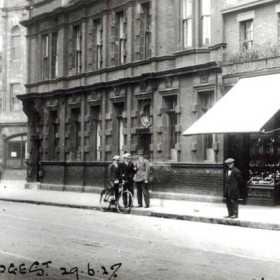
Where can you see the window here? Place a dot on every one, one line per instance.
(246, 35)
(98, 43)
(147, 29)
(54, 53)
(45, 56)
(206, 21)
(95, 132)
(171, 103)
(206, 101)
(53, 135)
(120, 125)
(15, 43)
(187, 23)
(75, 133)
(278, 32)
(14, 101)
(121, 37)
(78, 48)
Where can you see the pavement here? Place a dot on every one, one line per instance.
(259, 217)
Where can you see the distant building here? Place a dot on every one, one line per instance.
(13, 122)
(108, 77)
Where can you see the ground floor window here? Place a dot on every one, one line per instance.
(16, 152)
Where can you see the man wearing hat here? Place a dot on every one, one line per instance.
(141, 178)
(127, 174)
(114, 175)
(233, 181)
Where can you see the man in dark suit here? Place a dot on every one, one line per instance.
(127, 173)
(114, 175)
(233, 181)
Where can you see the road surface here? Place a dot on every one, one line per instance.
(47, 242)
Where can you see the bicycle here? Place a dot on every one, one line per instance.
(123, 203)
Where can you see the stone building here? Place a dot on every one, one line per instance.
(13, 122)
(108, 77)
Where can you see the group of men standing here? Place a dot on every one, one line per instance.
(126, 173)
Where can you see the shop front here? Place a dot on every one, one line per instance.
(249, 117)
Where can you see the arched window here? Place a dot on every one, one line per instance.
(15, 43)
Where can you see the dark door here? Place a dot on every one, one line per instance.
(144, 142)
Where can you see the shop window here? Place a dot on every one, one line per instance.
(45, 56)
(171, 103)
(16, 152)
(15, 103)
(95, 130)
(121, 40)
(98, 43)
(77, 34)
(206, 101)
(206, 21)
(15, 43)
(187, 8)
(246, 35)
(54, 54)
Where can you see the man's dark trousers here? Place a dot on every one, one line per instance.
(142, 187)
(128, 186)
(232, 205)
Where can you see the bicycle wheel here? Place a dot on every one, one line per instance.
(105, 200)
(124, 203)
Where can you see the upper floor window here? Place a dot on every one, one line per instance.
(121, 37)
(54, 54)
(15, 43)
(278, 29)
(246, 35)
(187, 7)
(206, 21)
(98, 43)
(45, 56)
(146, 29)
(77, 34)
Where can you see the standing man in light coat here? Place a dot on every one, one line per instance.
(141, 178)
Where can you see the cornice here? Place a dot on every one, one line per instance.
(127, 80)
(246, 6)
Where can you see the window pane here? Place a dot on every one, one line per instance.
(15, 42)
(205, 7)
(187, 9)
(206, 30)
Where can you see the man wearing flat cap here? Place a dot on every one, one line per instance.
(233, 181)
(127, 174)
(114, 175)
(141, 179)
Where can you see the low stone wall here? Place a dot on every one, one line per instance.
(181, 178)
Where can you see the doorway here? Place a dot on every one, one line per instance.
(144, 142)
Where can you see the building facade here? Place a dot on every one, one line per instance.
(251, 33)
(13, 122)
(108, 77)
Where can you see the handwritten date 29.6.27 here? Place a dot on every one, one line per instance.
(41, 270)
